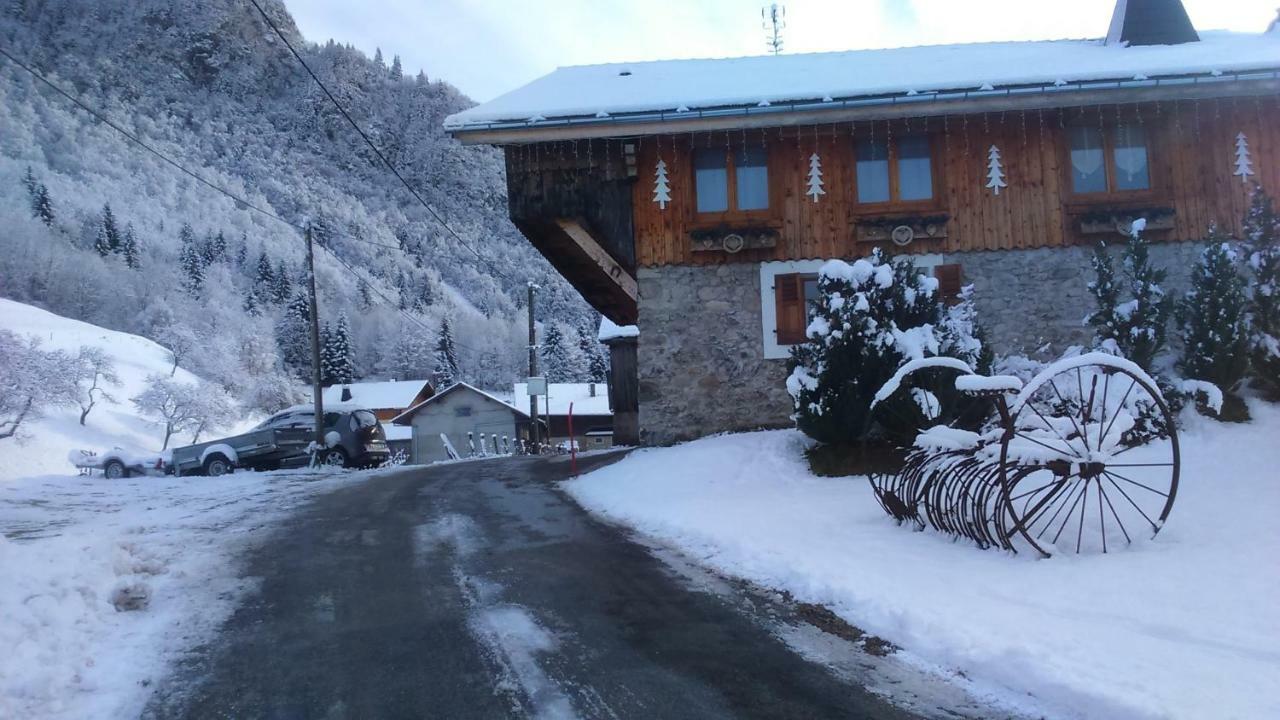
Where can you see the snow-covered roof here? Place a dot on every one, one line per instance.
(405, 417)
(680, 88)
(609, 330)
(559, 395)
(390, 395)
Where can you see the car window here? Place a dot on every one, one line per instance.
(363, 419)
(331, 419)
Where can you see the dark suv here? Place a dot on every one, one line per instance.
(360, 440)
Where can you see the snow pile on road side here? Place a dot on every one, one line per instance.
(106, 583)
(1184, 626)
(44, 444)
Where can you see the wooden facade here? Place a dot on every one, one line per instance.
(1191, 149)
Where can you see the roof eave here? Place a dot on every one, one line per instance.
(925, 104)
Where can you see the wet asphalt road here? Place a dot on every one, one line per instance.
(478, 590)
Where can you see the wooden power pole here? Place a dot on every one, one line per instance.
(533, 372)
(317, 395)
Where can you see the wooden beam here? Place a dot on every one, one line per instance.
(778, 116)
(615, 272)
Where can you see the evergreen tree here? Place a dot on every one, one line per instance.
(293, 335)
(29, 182)
(242, 251)
(446, 358)
(426, 296)
(42, 205)
(562, 360)
(595, 368)
(1262, 241)
(1212, 320)
(264, 280)
(215, 248)
(377, 59)
(1138, 327)
(251, 306)
(190, 260)
(337, 365)
(366, 297)
(129, 248)
(421, 78)
(100, 242)
(282, 288)
(409, 357)
(397, 73)
(108, 239)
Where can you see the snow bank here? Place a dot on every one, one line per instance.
(45, 444)
(77, 551)
(1185, 626)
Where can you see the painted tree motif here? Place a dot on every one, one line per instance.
(995, 171)
(1244, 159)
(816, 184)
(661, 187)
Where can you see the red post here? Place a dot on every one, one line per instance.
(573, 445)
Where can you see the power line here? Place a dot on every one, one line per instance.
(213, 186)
(351, 121)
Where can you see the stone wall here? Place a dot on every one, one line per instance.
(1031, 298)
(701, 358)
(701, 355)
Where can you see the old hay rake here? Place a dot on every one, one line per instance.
(1082, 458)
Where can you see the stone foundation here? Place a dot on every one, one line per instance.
(701, 362)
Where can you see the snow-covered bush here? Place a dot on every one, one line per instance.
(31, 381)
(1211, 319)
(871, 317)
(1133, 311)
(1262, 242)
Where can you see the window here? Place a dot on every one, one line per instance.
(950, 282)
(464, 411)
(1109, 160)
(897, 171)
(794, 295)
(731, 181)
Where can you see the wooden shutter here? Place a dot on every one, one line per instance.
(788, 293)
(950, 281)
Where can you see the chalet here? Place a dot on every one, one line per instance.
(697, 198)
(589, 403)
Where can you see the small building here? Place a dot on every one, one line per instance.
(590, 402)
(463, 414)
(386, 399)
(698, 199)
(597, 440)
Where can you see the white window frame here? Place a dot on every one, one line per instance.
(768, 300)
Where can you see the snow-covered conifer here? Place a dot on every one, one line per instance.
(1132, 312)
(251, 306)
(264, 278)
(1262, 242)
(397, 72)
(215, 248)
(293, 335)
(129, 248)
(281, 286)
(337, 364)
(42, 205)
(190, 260)
(562, 360)
(1211, 319)
(107, 240)
(446, 358)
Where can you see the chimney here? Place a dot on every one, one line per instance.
(1150, 22)
(591, 387)
(346, 394)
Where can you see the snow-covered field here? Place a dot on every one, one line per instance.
(75, 543)
(42, 445)
(1185, 626)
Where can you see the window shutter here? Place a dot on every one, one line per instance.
(950, 282)
(789, 305)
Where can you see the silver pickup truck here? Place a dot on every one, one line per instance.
(263, 448)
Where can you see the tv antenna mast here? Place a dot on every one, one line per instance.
(773, 19)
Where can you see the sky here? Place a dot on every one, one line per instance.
(488, 47)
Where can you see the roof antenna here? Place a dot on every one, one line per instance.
(773, 20)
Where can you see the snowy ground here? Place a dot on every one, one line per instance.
(69, 544)
(1185, 626)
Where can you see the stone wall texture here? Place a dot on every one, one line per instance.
(701, 355)
(701, 358)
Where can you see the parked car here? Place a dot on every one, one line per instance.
(119, 463)
(258, 449)
(353, 435)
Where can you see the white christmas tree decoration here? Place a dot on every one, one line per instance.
(995, 171)
(1244, 159)
(815, 177)
(661, 190)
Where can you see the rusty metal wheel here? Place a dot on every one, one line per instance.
(1089, 460)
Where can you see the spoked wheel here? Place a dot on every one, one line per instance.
(1089, 462)
(901, 475)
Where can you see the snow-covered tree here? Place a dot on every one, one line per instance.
(190, 260)
(108, 239)
(215, 248)
(293, 335)
(281, 286)
(1262, 243)
(95, 372)
(129, 248)
(1211, 318)
(1244, 159)
(251, 305)
(561, 357)
(446, 358)
(42, 205)
(174, 404)
(264, 279)
(661, 187)
(180, 341)
(213, 409)
(871, 317)
(33, 381)
(397, 71)
(409, 358)
(336, 365)
(1133, 312)
(596, 365)
(815, 178)
(995, 171)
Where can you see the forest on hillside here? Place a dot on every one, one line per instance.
(98, 229)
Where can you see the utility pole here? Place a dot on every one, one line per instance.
(533, 372)
(317, 395)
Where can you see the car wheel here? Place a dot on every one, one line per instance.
(217, 466)
(334, 458)
(115, 470)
